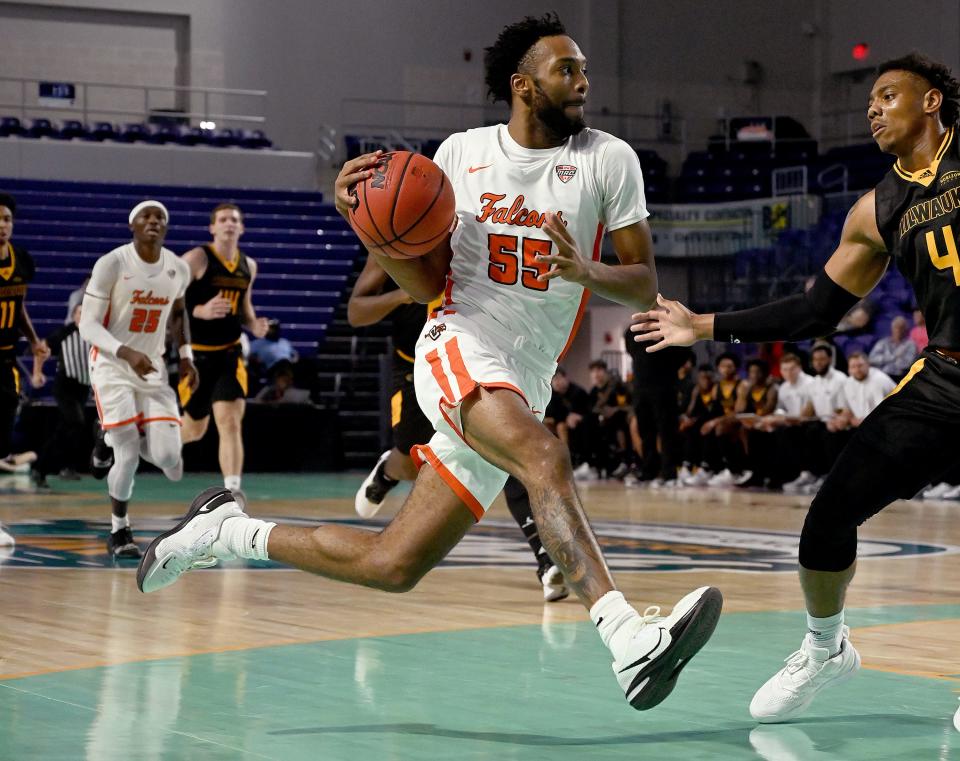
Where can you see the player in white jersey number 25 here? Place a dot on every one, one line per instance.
(133, 292)
(532, 199)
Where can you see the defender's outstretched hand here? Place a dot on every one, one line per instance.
(671, 324)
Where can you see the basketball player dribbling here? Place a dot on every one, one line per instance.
(532, 200)
(910, 439)
(132, 293)
(375, 297)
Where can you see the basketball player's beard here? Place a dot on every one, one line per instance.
(553, 117)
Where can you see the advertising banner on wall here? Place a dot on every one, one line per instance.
(718, 229)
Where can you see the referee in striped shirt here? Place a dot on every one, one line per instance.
(71, 389)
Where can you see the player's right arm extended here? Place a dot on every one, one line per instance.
(96, 302)
(853, 270)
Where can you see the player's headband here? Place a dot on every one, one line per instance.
(143, 205)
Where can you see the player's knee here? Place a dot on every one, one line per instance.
(194, 430)
(399, 575)
(828, 541)
(546, 459)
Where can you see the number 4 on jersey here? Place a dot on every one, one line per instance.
(949, 260)
(505, 264)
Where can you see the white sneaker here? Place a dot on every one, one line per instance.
(684, 473)
(370, 495)
(553, 587)
(813, 487)
(953, 493)
(661, 647)
(956, 720)
(583, 472)
(723, 478)
(742, 478)
(192, 543)
(796, 485)
(936, 491)
(790, 691)
(6, 539)
(700, 478)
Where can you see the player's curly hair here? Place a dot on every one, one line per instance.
(939, 76)
(510, 52)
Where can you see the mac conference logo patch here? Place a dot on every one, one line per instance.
(627, 546)
(565, 172)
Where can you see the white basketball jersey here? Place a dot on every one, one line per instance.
(141, 296)
(503, 194)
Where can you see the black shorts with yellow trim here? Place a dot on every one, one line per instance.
(410, 425)
(9, 374)
(919, 421)
(223, 378)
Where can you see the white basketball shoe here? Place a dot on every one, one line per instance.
(192, 543)
(956, 720)
(662, 646)
(6, 539)
(790, 691)
(553, 587)
(372, 491)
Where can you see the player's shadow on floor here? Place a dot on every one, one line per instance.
(818, 729)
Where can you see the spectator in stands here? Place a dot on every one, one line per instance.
(567, 415)
(863, 390)
(723, 448)
(822, 446)
(71, 389)
(699, 409)
(609, 410)
(272, 348)
(757, 398)
(895, 353)
(656, 379)
(918, 333)
(74, 300)
(281, 388)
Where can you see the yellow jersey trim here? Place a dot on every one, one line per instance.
(6, 272)
(204, 347)
(928, 174)
(231, 267)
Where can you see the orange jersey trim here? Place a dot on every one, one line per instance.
(473, 505)
(129, 421)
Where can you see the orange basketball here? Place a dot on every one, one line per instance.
(405, 208)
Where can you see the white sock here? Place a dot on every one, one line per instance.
(118, 523)
(231, 482)
(246, 537)
(826, 632)
(609, 614)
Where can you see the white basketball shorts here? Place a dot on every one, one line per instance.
(122, 398)
(457, 354)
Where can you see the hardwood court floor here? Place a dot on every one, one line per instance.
(275, 664)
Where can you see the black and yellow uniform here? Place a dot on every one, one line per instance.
(410, 426)
(216, 343)
(757, 399)
(16, 272)
(910, 439)
(725, 396)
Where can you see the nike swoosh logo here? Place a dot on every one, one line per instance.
(473, 169)
(646, 657)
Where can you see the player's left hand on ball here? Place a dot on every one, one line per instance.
(353, 171)
(567, 261)
(188, 372)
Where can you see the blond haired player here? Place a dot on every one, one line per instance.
(133, 291)
(533, 198)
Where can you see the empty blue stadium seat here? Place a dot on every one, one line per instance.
(102, 131)
(73, 129)
(255, 139)
(10, 125)
(41, 128)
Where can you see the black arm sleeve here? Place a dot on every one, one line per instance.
(803, 315)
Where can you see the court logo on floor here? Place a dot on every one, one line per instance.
(492, 543)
